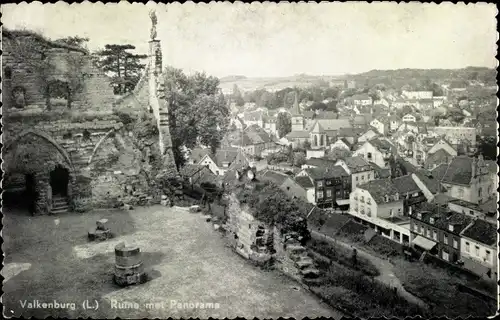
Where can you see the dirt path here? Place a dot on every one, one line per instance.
(385, 268)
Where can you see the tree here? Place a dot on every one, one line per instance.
(237, 96)
(318, 106)
(456, 115)
(299, 158)
(74, 41)
(306, 145)
(374, 94)
(123, 66)
(283, 124)
(487, 146)
(332, 106)
(197, 112)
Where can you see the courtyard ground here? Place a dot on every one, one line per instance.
(49, 257)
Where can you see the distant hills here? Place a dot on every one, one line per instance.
(392, 78)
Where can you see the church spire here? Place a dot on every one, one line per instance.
(295, 108)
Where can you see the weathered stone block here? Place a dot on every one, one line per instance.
(101, 224)
(194, 209)
(100, 235)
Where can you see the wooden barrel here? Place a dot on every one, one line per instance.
(128, 265)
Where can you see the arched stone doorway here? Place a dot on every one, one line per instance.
(38, 165)
(59, 180)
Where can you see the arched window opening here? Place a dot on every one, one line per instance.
(58, 94)
(19, 95)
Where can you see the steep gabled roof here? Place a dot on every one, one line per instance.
(326, 172)
(356, 163)
(304, 182)
(379, 188)
(277, 177)
(405, 184)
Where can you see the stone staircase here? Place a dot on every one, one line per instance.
(59, 204)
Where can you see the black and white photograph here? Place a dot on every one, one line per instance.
(253, 160)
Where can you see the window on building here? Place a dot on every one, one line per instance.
(445, 239)
(328, 182)
(477, 250)
(414, 228)
(428, 233)
(487, 256)
(460, 192)
(480, 193)
(320, 184)
(328, 193)
(362, 199)
(7, 72)
(445, 256)
(368, 200)
(391, 212)
(369, 212)
(455, 243)
(399, 211)
(320, 194)
(435, 235)
(357, 178)
(369, 155)
(467, 247)
(362, 177)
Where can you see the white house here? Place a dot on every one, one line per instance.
(315, 153)
(362, 100)
(381, 125)
(379, 204)
(443, 144)
(409, 118)
(377, 151)
(479, 249)
(417, 94)
(308, 185)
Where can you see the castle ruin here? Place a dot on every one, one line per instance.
(65, 148)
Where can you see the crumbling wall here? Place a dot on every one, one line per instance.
(260, 242)
(249, 236)
(34, 62)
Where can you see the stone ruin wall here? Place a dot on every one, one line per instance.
(91, 113)
(96, 93)
(290, 257)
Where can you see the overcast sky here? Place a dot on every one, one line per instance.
(281, 39)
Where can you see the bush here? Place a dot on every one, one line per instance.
(362, 296)
(343, 256)
(439, 289)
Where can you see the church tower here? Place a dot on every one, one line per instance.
(297, 117)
